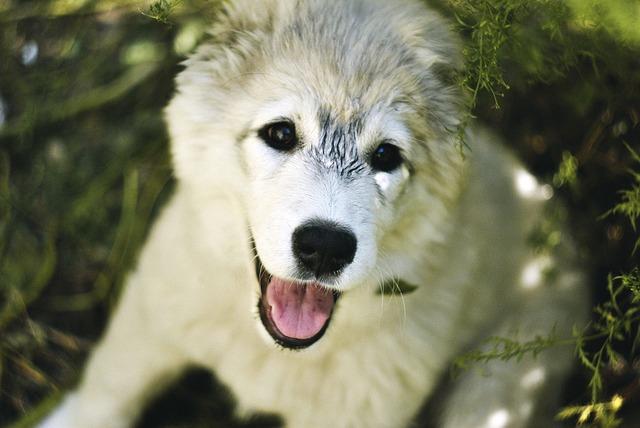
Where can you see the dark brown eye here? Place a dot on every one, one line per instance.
(279, 135)
(386, 157)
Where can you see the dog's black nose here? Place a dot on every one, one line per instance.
(323, 247)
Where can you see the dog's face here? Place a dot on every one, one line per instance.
(330, 125)
(323, 186)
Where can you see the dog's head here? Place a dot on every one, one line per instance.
(332, 123)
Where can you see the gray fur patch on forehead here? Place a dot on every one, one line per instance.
(337, 149)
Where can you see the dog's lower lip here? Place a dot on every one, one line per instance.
(265, 310)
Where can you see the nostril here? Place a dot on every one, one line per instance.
(306, 249)
(323, 247)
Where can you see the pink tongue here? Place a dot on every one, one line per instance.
(298, 311)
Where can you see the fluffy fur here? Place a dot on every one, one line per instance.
(349, 74)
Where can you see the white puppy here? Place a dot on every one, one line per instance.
(328, 250)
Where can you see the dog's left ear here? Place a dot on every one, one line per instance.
(439, 48)
(438, 53)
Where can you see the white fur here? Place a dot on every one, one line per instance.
(455, 227)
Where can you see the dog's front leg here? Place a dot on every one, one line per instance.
(129, 365)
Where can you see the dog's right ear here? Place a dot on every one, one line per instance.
(233, 40)
(201, 118)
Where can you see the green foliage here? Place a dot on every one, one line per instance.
(629, 206)
(161, 10)
(567, 171)
(540, 40)
(603, 414)
(505, 349)
(83, 169)
(617, 320)
(618, 18)
(488, 23)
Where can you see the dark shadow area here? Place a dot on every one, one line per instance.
(199, 400)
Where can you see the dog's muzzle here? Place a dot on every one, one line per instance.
(296, 312)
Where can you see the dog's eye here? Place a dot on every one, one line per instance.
(386, 157)
(279, 135)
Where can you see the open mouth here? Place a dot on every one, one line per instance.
(296, 314)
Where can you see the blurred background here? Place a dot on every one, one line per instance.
(84, 169)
